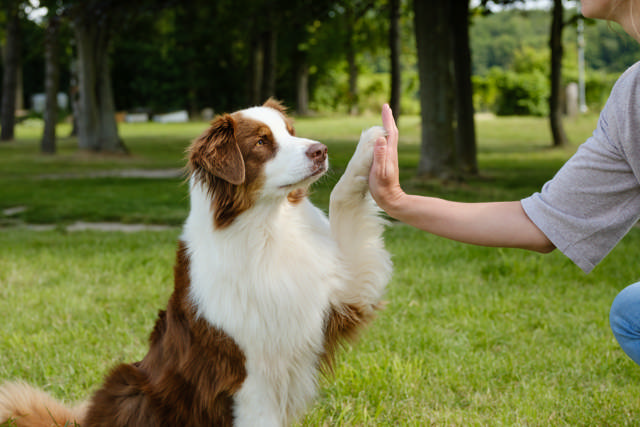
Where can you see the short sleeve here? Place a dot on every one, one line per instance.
(594, 199)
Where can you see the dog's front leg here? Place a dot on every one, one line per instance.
(357, 228)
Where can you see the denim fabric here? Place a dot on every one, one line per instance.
(625, 320)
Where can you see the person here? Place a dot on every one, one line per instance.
(583, 211)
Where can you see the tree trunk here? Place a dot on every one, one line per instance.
(302, 85)
(555, 100)
(270, 64)
(19, 84)
(465, 123)
(433, 40)
(353, 81)
(256, 70)
(10, 77)
(97, 128)
(350, 49)
(394, 48)
(74, 96)
(51, 82)
(192, 88)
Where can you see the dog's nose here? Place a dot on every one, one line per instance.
(317, 152)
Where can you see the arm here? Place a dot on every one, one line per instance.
(502, 224)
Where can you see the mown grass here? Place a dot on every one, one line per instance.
(513, 155)
(470, 336)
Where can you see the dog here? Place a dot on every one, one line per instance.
(266, 287)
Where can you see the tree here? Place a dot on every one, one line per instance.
(555, 99)
(301, 71)
(93, 24)
(264, 49)
(433, 41)
(52, 78)
(354, 12)
(11, 69)
(394, 58)
(465, 124)
(448, 145)
(555, 78)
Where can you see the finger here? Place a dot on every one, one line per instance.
(389, 124)
(392, 135)
(387, 118)
(379, 166)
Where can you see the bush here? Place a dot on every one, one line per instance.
(598, 87)
(521, 90)
(524, 94)
(507, 93)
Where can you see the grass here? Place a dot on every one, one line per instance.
(470, 337)
(513, 157)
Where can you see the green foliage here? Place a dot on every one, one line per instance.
(523, 94)
(598, 86)
(497, 37)
(608, 48)
(511, 66)
(523, 89)
(171, 59)
(331, 92)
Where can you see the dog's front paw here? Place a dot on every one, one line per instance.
(362, 159)
(355, 180)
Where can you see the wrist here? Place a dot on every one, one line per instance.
(393, 203)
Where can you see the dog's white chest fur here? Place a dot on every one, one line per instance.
(267, 282)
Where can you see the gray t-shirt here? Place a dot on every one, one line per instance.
(594, 199)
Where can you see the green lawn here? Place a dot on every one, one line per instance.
(470, 336)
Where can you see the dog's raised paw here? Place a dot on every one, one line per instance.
(363, 157)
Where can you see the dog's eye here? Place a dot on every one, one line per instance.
(260, 142)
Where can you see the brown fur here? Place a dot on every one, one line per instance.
(231, 143)
(297, 196)
(343, 325)
(186, 379)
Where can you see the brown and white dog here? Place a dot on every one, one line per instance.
(265, 288)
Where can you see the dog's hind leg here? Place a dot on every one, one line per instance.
(357, 228)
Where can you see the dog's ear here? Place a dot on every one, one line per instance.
(216, 151)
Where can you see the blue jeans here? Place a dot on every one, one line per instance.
(625, 320)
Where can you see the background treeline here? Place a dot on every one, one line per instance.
(511, 60)
(186, 58)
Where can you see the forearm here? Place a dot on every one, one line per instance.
(498, 224)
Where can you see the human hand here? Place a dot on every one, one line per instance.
(384, 180)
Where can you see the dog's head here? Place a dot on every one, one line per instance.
(254, 154)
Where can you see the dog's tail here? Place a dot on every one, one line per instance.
(24, 406)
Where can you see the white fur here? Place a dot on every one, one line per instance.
(269, 279)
